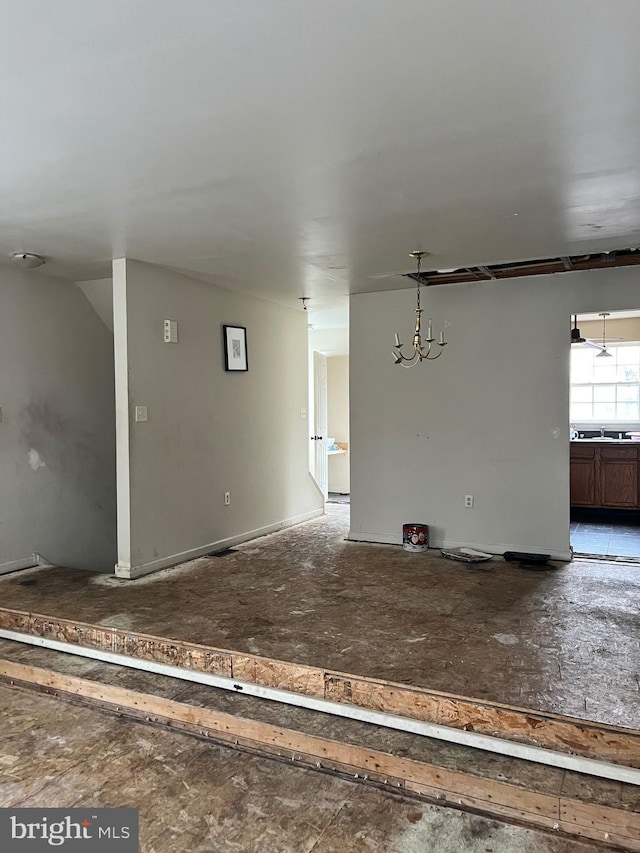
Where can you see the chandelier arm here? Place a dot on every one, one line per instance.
(424, 353)
(405, 361)
(433, 357)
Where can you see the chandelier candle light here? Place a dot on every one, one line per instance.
(421, 351)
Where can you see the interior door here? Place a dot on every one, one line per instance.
(320, 421)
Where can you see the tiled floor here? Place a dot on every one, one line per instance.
(614, 540)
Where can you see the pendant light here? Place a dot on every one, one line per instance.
(605, 352)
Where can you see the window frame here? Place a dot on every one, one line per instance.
(616, 385)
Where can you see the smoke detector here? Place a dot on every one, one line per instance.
(27, 260)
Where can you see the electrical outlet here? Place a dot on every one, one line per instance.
(227, 498)
(468, 501)
(141, 414)
(303, 413)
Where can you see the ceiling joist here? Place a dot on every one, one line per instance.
(516, 269)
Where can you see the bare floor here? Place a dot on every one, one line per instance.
(566, 640)
(210, 799)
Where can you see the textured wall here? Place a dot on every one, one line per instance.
(57, 436)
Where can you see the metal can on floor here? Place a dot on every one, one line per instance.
(415, 537)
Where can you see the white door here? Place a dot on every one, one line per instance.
(319, 436)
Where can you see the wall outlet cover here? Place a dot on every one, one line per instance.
(141, 414)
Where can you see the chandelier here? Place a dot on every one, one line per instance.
(421, 350)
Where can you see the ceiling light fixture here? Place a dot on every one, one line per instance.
(420, 351)
(605, 352)
(576, 337)
(27, 260)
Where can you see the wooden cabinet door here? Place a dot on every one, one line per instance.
(619, 477)
(583, 481)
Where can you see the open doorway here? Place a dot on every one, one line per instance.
(338, 429)
(329, 456)
(604, 432)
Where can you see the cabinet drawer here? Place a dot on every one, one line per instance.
(619, 452)
(583, 451)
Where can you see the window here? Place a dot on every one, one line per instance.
(605, 389)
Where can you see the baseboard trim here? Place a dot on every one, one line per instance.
(129, 572)
(493, 548)
(374, 538)
(16, 565)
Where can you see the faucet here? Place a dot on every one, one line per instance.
(601, 432)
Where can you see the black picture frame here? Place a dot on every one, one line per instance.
(236, 358)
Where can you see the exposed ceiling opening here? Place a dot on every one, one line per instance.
(516, 269)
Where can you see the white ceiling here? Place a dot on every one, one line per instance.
(291, 147)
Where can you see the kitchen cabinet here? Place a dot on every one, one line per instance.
(604, 475)
(583, 475)
(619, 477)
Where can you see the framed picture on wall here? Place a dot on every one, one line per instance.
(235, 348)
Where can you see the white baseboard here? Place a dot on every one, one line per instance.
(16, 565)
(125, 570)
(493, 548)
(375, 538)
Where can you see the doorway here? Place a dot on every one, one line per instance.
(604, 426)
(329, 450)
(338, 428)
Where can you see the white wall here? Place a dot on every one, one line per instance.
(329, 341)
(208, 431)
(490, 418)
(338, 419)
(99, 292)
(57, 435)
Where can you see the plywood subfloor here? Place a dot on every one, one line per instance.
(204, 798)
(566, 641)
(482, 765)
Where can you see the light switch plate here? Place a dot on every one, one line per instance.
(171, 331)
(141, 414)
